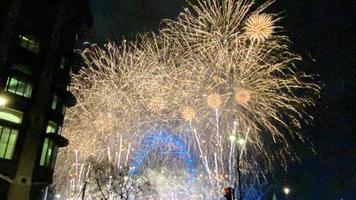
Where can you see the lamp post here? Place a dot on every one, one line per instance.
(240, 142)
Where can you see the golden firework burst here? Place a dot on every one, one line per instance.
(259, 27)
(243, 96)
(156, 104)
(188, 113)
(214, 100)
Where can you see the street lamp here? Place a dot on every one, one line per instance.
(3, 101)
(286, 191)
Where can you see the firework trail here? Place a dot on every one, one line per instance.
(219, 74)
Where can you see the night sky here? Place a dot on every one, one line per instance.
(323, 32)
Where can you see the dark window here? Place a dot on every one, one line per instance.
(22, 68)
(63, 109)
(63, 61)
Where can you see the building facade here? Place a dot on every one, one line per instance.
(37, 42)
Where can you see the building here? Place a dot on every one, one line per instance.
(37, 39)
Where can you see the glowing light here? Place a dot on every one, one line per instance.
(170, 144)
(214, 101)
(286, 190)
(3, 101)
(241, 141)
(232, 138)
(242, 96)
(259, 27)
(188, 113)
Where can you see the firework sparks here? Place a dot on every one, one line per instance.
(188, 114)
(242, 96)
(204, 59)
(259, 27)
(214, 101)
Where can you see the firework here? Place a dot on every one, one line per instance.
(214, 101)
(242, 96)
(188, 114)
(218, 71)
(259, 27)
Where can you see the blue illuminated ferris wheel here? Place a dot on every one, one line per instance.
(166, 144)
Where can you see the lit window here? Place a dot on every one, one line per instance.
(29, 42)
(10, 115)
(19, 87)
(48, 150)
(54, 102)
(8, 139)
(52, 127)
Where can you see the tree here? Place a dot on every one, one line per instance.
(106, 181)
